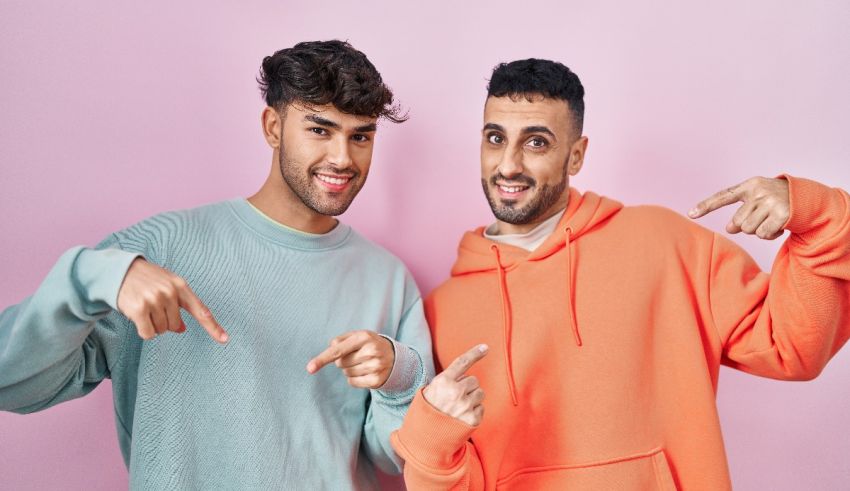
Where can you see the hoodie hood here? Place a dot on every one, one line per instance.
(477, 254)
(583, 213)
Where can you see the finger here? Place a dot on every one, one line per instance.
(361, 370)
(769, 229)
(754, 220)
(159, 320)
(197, 309)
(469, 384)
(476, 397)
(333, 353)
(144, 326)
(356, 358)
(462, 363)
(717, 200)
(734, 225)
(372, 381)
(172, 314)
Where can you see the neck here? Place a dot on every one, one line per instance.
(505, 228)
(277, 201)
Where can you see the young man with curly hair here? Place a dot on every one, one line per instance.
(607, 324)
(217, 396)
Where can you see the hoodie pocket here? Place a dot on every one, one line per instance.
(646, 471)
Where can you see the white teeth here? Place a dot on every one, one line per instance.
(512, 189)
(333, 180)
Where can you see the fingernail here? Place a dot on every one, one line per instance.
(224, 337)
(693, 212)
(310, 367)
(483, 348)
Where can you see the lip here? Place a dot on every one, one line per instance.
(515, 195)
(334, 187)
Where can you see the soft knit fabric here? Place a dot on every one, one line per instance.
(530, 240)
(193, 414)
(607, 340)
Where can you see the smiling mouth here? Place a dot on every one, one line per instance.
(512, 191)
(334, 182)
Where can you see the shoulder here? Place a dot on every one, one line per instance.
(153, 236)
(375, 255)
(659, 222)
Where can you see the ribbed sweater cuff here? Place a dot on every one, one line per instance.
(100, 274)
(430, 437)
(810, 204)
(406, 371)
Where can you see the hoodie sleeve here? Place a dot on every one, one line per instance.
(787, 325)
(436, 449)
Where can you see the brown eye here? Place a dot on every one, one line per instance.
(495, 139)
(537, 142)
(360, 138)
(319, 131)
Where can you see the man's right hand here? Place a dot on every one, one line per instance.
(457, 394)
(151, 297)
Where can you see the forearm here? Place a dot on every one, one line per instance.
(791, 323)
(436, 449)
(44, 340)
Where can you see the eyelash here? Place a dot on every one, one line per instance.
(357, 138)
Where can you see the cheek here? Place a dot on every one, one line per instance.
(489, 160)
(362, 157)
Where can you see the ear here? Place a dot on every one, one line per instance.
(577, 155)
(272, 122)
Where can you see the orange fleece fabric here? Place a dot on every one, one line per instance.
(607, 340)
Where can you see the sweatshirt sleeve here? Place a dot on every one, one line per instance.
(413, 369)
(787, 325)
(436, 449)
(59, 343)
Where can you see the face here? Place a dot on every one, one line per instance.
(324, 155)
(528, 152)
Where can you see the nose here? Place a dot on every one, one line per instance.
(339, 155)
(511, 163)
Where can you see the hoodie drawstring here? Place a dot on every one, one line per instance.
(571, 312)
(506, 323)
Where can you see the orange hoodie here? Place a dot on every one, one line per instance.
(606, 343)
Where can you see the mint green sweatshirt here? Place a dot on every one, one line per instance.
(193, 414)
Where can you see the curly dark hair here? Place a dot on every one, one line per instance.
(531, 77)
(327, 72)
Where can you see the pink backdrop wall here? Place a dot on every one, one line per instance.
(111, 113)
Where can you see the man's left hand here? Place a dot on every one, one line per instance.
(765, 210)
(365, 357)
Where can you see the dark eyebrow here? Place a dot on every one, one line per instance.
(321, 121)
(314, 118)
(537, 129)
(366, 128)
(493, 126)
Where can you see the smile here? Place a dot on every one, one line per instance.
(511, 191)
(333, 182)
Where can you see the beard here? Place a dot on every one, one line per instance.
(302, 183)
(507, 211)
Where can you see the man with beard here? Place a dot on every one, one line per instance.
(235, 408)
(607, 325)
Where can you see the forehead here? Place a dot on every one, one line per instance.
(519, 112)
(330, 112)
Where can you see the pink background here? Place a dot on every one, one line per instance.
(109, 114)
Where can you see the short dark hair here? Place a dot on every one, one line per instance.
(327, 72)
(535, 77)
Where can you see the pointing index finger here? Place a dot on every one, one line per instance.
(463, 362)
(192, 304)
(333, 353)
(717, 200)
